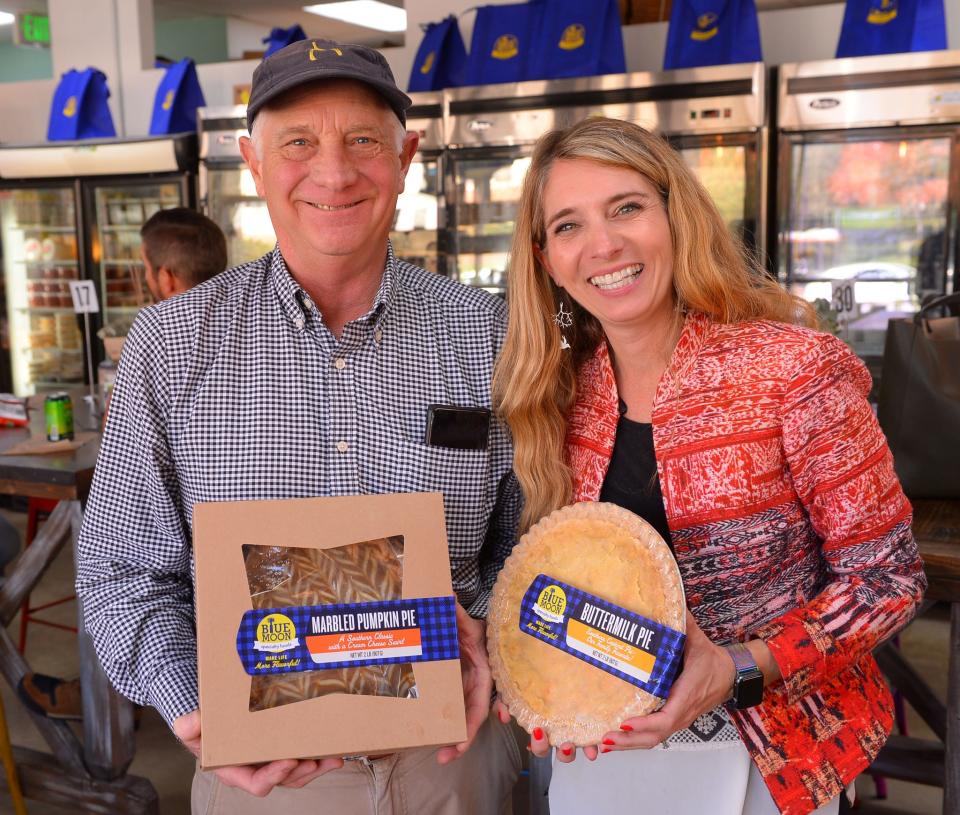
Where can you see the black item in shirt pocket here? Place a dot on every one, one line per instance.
(459, 428)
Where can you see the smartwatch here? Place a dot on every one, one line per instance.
(748, 683)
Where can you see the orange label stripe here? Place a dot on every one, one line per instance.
(363, 641)
(611, 646)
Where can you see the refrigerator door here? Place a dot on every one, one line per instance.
(730, 170)
(232, 202)
(39, 237)
(484, 191)
(415, 233)
(870, 210)
(117, 213)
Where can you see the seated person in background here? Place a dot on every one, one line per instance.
(181, 248)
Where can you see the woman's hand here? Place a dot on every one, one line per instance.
(705, 682)
(540, 741)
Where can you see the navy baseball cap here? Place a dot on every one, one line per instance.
(311, 60)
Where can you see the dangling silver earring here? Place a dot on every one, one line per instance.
(563, 319)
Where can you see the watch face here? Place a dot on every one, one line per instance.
(749, 690)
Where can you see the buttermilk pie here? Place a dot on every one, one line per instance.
(613, 555)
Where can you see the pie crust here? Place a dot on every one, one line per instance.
(607, 551)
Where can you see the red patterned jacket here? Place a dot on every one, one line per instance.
(788, 524)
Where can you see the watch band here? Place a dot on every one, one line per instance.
(748, 682)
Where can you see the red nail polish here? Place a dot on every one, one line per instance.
(626, 727)
(566, 750)
(611, 742)
(604, 749)
(537, 733)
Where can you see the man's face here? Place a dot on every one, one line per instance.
(330, 165)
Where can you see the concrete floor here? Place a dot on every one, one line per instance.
(170, 768)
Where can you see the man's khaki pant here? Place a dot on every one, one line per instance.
(408, 783)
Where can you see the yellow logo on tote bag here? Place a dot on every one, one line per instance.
(70, 109)
(706, 27)
(884, 13)
(428, 63)
(168, 99)
(507, 46)
(574, 36)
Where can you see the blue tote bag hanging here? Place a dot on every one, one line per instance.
(892, 27)
(574, 38)
(79, 109)
(177, 99)
(282, 37)
(441, 60)
(712, 32)
(502, 42)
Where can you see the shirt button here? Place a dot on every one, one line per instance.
(340, 363)
(377, 335)
(299, 323)
(342, 446)
(308, 303)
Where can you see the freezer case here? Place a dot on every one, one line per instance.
(867, 222)
(418, 224)
(38, 229)
(716, 117)
(228, 194)
(118, 209)
(73, 211)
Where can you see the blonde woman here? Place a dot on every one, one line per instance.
(648, 363)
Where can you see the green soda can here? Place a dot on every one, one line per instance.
(58, 411)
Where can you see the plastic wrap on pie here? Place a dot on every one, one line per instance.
(362, 572)
(586, 623)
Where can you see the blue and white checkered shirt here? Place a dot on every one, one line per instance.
(236, 390)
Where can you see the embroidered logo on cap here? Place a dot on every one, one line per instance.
(316, 49)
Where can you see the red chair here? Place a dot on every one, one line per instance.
(39, 509)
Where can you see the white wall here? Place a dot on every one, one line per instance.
(243, 36)
(117, 37)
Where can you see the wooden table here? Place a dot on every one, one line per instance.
(88, 776)
(936, 526)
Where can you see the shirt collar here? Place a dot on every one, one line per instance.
(295, 301)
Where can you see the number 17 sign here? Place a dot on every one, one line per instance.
(84, 294)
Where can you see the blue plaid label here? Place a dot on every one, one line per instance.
(340, 635)
(642, 652)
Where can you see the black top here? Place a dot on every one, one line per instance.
(632, 481)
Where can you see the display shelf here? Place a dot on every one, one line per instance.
(42, 228)
(121, 227)
(45, 309)
(54, 262)
(119, 261)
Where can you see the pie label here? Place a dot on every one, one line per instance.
(621, 642)
(340, 635)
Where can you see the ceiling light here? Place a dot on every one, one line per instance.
(6, 18)
(366, 13)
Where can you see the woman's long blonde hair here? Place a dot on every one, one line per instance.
(534, 383)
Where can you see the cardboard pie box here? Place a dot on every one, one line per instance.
(337, 724)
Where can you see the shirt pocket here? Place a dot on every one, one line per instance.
(461, 475)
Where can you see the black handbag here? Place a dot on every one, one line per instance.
(919, 404)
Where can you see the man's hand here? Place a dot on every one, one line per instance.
(477, 681)
(256, 779)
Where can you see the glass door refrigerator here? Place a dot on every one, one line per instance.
(227, 193)
(716, 117)
(868, 179)
(418, 224)
(73, 211)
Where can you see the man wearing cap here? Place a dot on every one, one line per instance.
(307, 372)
